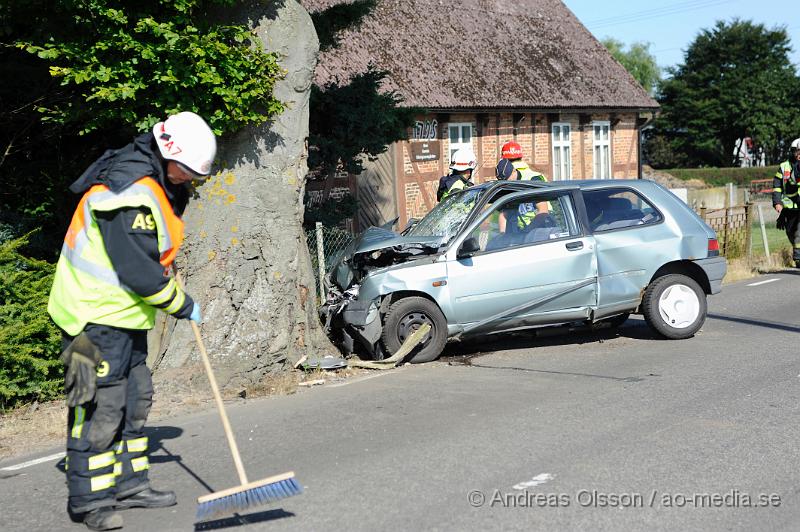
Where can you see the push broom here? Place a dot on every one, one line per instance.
(246, 494)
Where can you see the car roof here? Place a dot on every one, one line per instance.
(587, 184)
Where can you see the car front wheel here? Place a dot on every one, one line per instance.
(406, 316)
(674, 306)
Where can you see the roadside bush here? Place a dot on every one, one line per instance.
(723, 176)
(29, 342)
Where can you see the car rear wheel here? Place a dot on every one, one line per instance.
(406, 316)
(674, 306)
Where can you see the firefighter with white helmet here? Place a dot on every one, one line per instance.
(110, 281)
(462, 165)
(785, 198)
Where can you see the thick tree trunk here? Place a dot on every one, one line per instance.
(245, 259)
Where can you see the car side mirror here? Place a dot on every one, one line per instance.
(468, 248)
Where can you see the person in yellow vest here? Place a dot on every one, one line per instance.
(785, 192)
(462, 165)
(511, 166)
(110, 279)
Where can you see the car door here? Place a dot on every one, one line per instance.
(630, 237)
(530, 272)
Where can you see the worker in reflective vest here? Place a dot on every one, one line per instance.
(511, 166)
(462, 165)
(786, 201)
(110, 279)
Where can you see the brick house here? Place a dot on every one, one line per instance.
(486, 72)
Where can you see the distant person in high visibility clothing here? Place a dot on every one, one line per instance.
(785, 198)
(111, 278)
(462, 165)
(512, 167)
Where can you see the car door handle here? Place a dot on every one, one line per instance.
(574, 246)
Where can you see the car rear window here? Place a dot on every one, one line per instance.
(618, 208)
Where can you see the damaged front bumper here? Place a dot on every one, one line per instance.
(351, 323)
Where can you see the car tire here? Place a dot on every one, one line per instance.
(406, 316)
(674, 306)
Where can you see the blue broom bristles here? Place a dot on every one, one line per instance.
(252, 497)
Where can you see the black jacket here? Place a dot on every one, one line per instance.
(132, 245)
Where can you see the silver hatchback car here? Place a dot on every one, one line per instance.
(513, 255)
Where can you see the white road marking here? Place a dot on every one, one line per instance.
(763, 282)
(362, 379)
(538, 480)
(29, 463)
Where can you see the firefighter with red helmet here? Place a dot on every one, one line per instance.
(511, 166)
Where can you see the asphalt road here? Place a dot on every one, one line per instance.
(589, 431)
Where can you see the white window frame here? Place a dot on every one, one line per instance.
(461, 143)
(602, 167)
(562, 147)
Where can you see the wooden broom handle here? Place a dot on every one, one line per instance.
(237, 459)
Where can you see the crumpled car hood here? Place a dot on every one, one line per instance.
(389, 246)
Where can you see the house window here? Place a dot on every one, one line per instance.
(562, 157)
(601, 134)
(460, 137)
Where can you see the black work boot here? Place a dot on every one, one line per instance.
(104, 518)
(148, 498)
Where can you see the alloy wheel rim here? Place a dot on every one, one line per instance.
(679, 306)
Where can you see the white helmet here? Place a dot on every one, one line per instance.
(463, 159)
(795, 144)
(186, 138)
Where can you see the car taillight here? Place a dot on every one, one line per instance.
(713, 247)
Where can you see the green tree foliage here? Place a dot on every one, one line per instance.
(135, 62)
(29, 342)
(80, 76)
(354, 120)
(637, 60)
(736, 81)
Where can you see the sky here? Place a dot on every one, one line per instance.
(671, 25)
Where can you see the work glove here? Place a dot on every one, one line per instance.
(195, 316)
(81, 358)
(780, 223)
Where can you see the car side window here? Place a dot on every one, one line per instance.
(527, 220)
(618, 208)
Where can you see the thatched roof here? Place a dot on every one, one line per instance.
(481, 54)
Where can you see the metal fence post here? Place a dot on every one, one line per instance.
(321, 261)
(764, 236)
(748, 217)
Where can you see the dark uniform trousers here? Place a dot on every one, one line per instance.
(792, 220)
(106, 445)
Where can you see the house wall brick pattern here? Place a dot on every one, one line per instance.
(533, 131)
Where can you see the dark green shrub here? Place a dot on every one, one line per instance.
(29, 341)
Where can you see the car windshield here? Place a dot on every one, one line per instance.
(447, 217)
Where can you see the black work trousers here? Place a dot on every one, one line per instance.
(792, 220)
(106, 445)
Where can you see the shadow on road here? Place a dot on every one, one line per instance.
(239, 520)
(156, 437)
(546, 337)
(757, 323)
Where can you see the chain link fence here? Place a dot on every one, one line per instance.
(323, 245)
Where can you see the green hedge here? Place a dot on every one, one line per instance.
(723, 176)
(29, 342)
